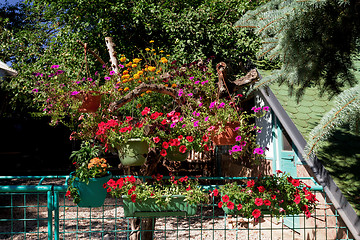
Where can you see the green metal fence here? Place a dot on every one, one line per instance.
(38, 209)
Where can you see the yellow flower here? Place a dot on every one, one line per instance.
(151, 41)
(126, 89)
(124, 81)
(174, 85)
(153, 50)
(125, 72)
(161, 51)
(154, 53)
(140, 72)
(151, 69)
(147, 49)
(163, 60)
(122, 59)
(134, 65)
(142, 94)
(128, 64)
(137, 60)
(139, 81)
(126, 76)
(148, 91)
(166, 85)
(136, 76)
(138, 105)
(120, 89)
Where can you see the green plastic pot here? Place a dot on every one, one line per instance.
(134, 152)
(148, 208)
(177, 156)
(92, 194)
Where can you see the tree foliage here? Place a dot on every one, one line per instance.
(188, 30)
(316, 42)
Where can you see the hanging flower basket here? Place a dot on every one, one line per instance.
(91, 102)
(134, 152)
(227, 136)
(92, 194)
(149, 208)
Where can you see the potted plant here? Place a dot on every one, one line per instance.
(127, 136)
(85, 184)
(163, 197)
(176, 133)
(278, 195)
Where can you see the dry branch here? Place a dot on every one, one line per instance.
(113, 59)
(143, 87)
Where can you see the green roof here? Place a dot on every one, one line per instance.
(340, 154)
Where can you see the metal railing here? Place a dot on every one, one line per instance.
(41, 211)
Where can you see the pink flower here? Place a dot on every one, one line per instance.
(191, 78)
(180, 93)
(112, 72)
(107, 78)
(211, 128)
(196, 123)
(173, 125)
(55, 66)
(266, 108)
(238, 138)
(196, 82)
(212, 105)
(221, 105)
(236, 148)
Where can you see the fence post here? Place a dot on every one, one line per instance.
(56, 220)
(50, 209)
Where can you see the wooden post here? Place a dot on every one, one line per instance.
(114, 62)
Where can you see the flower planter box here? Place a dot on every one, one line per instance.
(176, 207)
(92, 194)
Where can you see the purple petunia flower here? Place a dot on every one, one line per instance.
(55, 66)
(121, 66)
(196, 123)
(180, 92)
(173, 125)
(196, 82)
(35, 90)
(238, 138)
(74, 93)
(212, 104)
(59, 72)
(258, 151)
(112, 72)
(266, 108)
(221, 105)
(107, 78)
(206, 119)
(236, 148)
(191, 78)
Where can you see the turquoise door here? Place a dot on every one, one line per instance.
(287, 164)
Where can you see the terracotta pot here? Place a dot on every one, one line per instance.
(91, 102)
(227, 136)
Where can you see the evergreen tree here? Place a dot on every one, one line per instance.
(316, 42)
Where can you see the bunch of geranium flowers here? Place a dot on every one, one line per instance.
(114, 132)
(177, 131)
(158, 188)
(278, 195)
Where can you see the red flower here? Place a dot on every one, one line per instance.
(139, 125)
(295, 182)
(239, 206)
(190, 138)
(122, 130)
(68, 194)
(206, 147)
(163, 122)
(307, 214)
(305, 208)
(104, 186)
(145, 111)
(188, 188)
(261, 189)
(155, 115)
(250, 183)
(132, 179)
(279, 171)
(273, 197)
(156, 139)
(165, 145)
(159, 177)
(215, 192)
(256, 213)
(297, 199)
(130, 191)
(180, 137)
(258, 201)
(220, 204)
(174, 142)
(182, 149)
(163, 152)
(267, 202)
(128, 119)
(205, 138)
(225, 198)
(289, 179)
(133, 198)
(230, 205)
